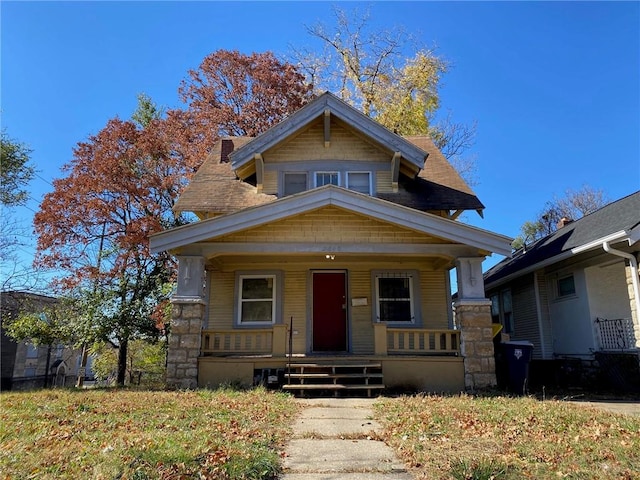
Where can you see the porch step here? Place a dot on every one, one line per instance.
(322, 378)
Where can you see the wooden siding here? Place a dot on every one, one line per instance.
(330, 224)
(361, 318)
(221, 298)
(382, 182)
(309, 145)
(433, 290)
(270, 183)
(295, 305)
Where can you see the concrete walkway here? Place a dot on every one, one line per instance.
(336, 438)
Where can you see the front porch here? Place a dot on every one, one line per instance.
(404, 359)
(413, 359)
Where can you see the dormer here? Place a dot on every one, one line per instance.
(327, 142)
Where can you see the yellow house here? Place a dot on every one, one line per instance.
(322, 260)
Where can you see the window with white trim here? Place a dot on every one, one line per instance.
(294, 182)
(566, 286)
(257, 299)
(327, 178)
(394, 298)
(359, 182)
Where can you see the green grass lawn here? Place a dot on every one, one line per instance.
(226, 434)
(495, 437)
(128, 434)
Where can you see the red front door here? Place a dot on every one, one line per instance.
(329, 312)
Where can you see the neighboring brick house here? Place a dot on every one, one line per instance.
(322, 260)
(23, 365)
(575, 295)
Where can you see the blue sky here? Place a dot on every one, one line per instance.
(553, 86)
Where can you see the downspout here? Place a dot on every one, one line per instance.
(633, 263)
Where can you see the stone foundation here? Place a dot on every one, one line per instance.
(184, 343)
(476, 334)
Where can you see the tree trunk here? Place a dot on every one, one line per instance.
(122, 361)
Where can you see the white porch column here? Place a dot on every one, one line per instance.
(186, 323)
(473, 317)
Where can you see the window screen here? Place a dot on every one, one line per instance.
(294, 183)
(359, 181)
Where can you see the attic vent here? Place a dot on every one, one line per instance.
(225, 149)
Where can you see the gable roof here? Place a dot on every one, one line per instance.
(311, 111)
(215, 187)
(617, 221)
(309, 200)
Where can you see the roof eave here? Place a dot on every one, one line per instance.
(340, 197)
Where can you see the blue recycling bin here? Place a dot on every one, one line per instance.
(517, 355)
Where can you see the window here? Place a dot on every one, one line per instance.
(502, 310)
(359, 182)
(507, 311)
(256, 299)
(294, 183)
(327, 178)
(30, 372)
(32, 351)
(394, 298)
(566, 286)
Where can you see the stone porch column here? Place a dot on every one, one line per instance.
(473, 318)
(187, 319)
(633, 301)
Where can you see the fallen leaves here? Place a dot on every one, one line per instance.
(531, 439)
(140, 434)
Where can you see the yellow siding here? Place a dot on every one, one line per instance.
(270, 183)
(433, 289)
(383, 182)
(309, 145)
(221, 300)
(295, 305)
(330, 224)
(361, 320)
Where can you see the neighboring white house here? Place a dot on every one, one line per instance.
(575, 293)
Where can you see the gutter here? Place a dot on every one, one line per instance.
(633, 263)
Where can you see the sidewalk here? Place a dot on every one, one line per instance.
(335, 438)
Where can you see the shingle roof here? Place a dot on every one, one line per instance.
(215, 188)
(621, 215)
(438, 186)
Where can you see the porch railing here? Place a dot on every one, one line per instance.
(416, 341)
(263, 341)
(616, 333)
(387, 341)
(224, 342)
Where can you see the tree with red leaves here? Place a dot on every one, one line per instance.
(233, 94)
(122, 183)
(120, 188)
